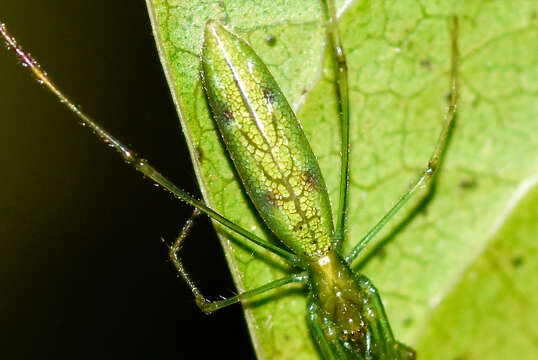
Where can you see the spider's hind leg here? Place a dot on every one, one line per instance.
(385, 344)
(209, 306)
(435, 162)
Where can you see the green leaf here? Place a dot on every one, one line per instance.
(456, 275)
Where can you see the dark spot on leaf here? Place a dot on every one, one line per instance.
(467, 184)
(426, 63)
(270, 40)
(517, 261)
(199, 154)
(407, 321)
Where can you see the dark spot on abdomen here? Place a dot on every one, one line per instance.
(269, 95)
(309, 178)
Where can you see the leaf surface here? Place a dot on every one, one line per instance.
(456, 274)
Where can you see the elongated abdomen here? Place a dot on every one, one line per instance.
(266, 143)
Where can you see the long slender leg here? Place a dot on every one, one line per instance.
(380, 331)
(173, 253)
(209, 306)
(343, 105)
(131, 157)
(435, 159)
(385, 346)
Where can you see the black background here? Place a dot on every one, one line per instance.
(83, 273)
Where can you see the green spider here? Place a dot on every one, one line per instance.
(281, 175)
